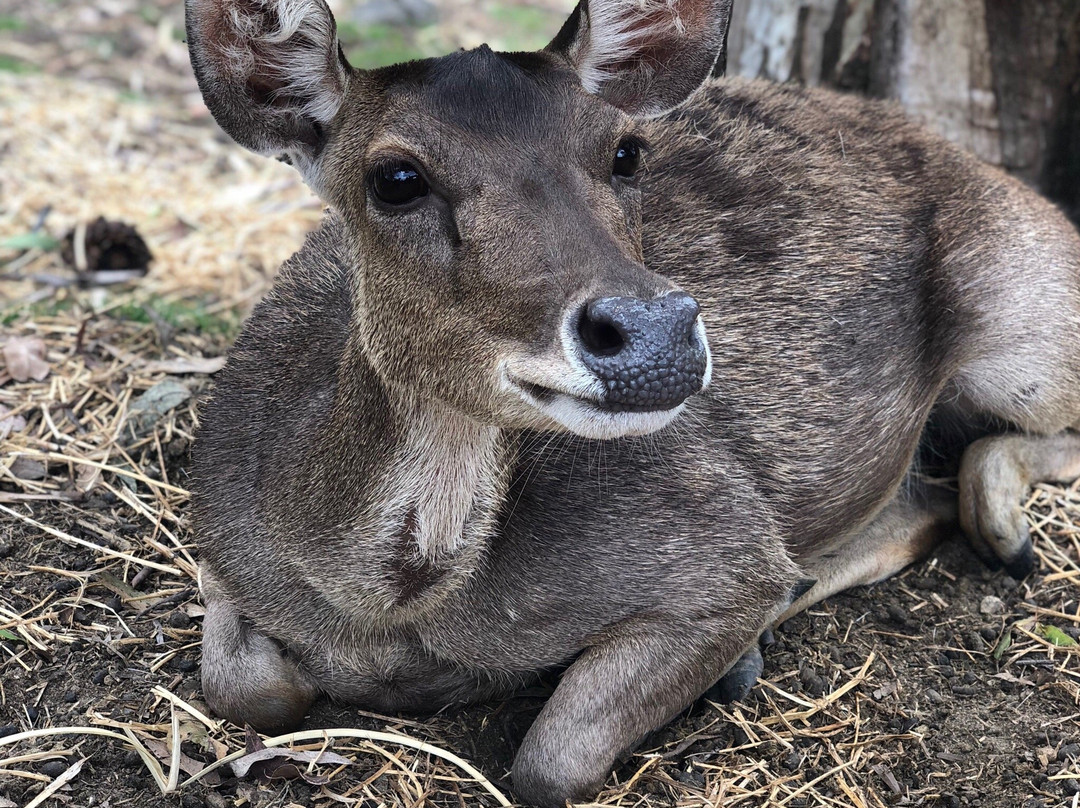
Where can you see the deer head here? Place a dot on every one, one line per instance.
(492, 202)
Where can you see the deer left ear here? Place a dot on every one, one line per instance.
(644, 56)
(271, 72)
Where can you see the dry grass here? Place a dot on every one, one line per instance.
(83, 469)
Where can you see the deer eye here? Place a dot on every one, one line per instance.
(397, 183)
(627, 158)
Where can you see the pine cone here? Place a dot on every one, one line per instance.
(109, 245)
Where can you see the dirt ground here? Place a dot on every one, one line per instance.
(950, 685)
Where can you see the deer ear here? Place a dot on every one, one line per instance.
(644, 56)
(271, 71)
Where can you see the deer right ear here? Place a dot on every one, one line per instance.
(644, 56)
(271, 72)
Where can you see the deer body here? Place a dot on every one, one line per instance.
(419, 479)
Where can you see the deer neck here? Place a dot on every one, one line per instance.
(443, 485)
(431, 479)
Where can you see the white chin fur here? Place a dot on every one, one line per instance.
(588, 421)
(582, 417)
(570, 390)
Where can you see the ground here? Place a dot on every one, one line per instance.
(949, 685)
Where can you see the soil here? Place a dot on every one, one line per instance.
(939, 687)
(941, 722)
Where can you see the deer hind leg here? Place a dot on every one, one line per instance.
(247, 677)
(995, 474)
(905, 531)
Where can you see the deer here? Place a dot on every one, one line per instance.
(600, 365)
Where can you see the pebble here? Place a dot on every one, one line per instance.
(988, 633)
(178, 620)
(8, 730)
(99, 677)
(187, 665)
(896, 613)
(991, 605)
(934, 696)
(1070, 751)
(71, 697)
(65, 585)
(32, 713)
(5, 549)
(54, 768)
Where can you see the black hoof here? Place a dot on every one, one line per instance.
(1022, 564)
(740, 678)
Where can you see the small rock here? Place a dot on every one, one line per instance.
(692, 778)
(178, 620)
(1008, 583)
(32, 713)
(8, 730)
(53, 768)
(991, 605)
(5, 550)
(988, 633)
(26, 468)
(1070, 751)
(934, 696)
(214, 800)
(99, 677)
(186, 665)
(65, 585)
(896, 613)
(71, 697)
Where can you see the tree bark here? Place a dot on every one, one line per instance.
(999, 77)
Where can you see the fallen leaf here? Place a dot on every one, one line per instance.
(886, 689)
(25, 358)
(211, 364)
(30, 241)
(26, 468)
(188, 765)
(280, 763)
(1055, 636)
(151, 406)
(10, 423)
(87, 477)
(1003, 645)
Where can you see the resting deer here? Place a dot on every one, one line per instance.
(420, 479)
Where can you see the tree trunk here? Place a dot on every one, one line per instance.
(999, 77)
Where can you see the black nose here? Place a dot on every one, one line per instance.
(647, 353)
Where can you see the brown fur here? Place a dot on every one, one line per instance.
(410, 532)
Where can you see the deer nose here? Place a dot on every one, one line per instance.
(648, 354)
